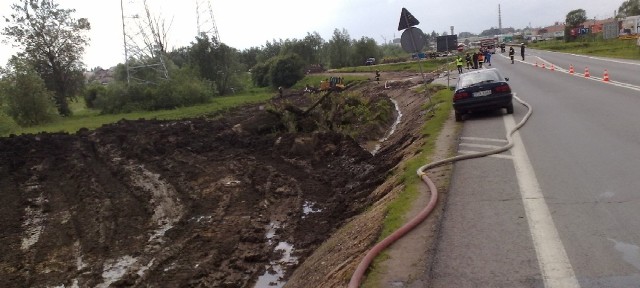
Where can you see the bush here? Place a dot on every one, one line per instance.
(260, 75)
(27, 99)
(91, 94)
(286, 70)
(184, 89)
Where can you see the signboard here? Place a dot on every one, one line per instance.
(610, 30)
(412, 40)
(446, 43)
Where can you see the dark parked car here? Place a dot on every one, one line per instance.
(481, 90)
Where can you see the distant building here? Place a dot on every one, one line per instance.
(102, 76)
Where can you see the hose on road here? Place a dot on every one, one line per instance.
(358, 274)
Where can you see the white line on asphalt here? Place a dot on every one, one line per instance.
(466, 152)
(554, 264)
(480, 146)
(483, 139)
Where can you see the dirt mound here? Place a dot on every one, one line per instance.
(215, 203)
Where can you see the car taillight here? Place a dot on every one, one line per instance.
(461, 95)
(504, 88)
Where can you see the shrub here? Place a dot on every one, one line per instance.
(260, 75)
(91, 93)
(27, 99)
(184, 89)
(286, 70)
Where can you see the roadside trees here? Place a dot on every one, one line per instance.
(52, 41)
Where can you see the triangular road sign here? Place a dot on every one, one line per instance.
(407, 20)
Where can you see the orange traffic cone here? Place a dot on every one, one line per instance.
(606, 76)
(543, 66)
(571, 71)
(536, 63)
(553, 68)
(586, 72)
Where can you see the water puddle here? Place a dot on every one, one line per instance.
(630, 252)
(114, 270)
(307, 208)
(33, 224)
(272, 277)
(391, 131)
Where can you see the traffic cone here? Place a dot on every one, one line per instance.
(553, 68)
(536, 63)
(543, 65)
(571, 71)
(586, 72)
(606, 76)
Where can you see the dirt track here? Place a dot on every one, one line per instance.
(200, 202)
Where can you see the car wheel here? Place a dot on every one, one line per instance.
(459, 116)
(510, 108)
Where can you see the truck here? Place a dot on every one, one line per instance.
(489, 44)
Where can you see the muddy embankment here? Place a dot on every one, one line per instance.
(225, 202)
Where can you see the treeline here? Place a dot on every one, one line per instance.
(37, 84)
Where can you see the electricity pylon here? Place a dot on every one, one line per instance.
(206, 21)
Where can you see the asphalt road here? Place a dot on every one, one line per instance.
(562, 208)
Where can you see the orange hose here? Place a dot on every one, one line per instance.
(366, 261)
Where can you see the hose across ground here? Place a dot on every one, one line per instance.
(358, 274)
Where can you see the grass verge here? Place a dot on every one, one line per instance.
(92, 119)
(428, 65)
(615, 48)
(399, 207)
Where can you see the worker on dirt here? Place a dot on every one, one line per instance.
(459, 63)
(467, 57)
(522, 50)
(512, 53)
(378, 76)
(280, 91)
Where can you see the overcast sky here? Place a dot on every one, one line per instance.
(246, 23)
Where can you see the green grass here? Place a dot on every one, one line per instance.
(314, 80)
(91, 119)
(616, 48)
(399, 207)
(412, 66)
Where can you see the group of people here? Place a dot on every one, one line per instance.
(483, 56)
(475, 60)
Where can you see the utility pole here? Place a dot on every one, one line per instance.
(499, 18)
(206, 21)
(142, 52)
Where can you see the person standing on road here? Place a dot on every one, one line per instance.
(487, 57)
(459, 63)
(512, 53)
(480, 59)
(475, 60)
(467, 57)
(522, 50)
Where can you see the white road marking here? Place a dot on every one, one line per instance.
(472, 145)
(467, 152)
(484, 139)
(555, 267)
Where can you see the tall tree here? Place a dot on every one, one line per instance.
(629, 8)
(576, 17)
(364, 48)
(339, 48)
(53, 41)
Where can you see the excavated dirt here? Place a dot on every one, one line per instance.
(233, 201)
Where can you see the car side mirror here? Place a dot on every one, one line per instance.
(506, 78)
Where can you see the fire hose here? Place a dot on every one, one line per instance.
(358, 274)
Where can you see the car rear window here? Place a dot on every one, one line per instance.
(473, 78)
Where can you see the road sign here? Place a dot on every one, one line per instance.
(412, 40)
(407, 20)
